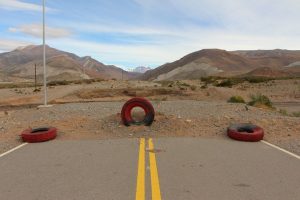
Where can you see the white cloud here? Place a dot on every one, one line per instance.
(264, 16)
(148, 54)
(8, 45)
(240, 24)
(36, 30)
(19, 5)
(111, 53)
(118, 28)
(170, 29)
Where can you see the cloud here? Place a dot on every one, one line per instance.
(118, 28)
(158, 53)
(258, 17)
(8, 45)
(36, 30)
(113, 53)
(170, 21)
(19, 5)
(150, 32)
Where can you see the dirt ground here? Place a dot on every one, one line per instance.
(181, 118)
(183, 109)
(285, 93)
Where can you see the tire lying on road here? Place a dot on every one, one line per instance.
(245, 132)
(137, 102)
(41, 134)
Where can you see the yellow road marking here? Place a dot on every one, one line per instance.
(140, 186)
(153, 173)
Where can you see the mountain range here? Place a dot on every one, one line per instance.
(216, 62)
(19, 64)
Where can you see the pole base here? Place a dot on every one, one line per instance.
(45, 106)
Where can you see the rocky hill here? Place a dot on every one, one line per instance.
(218, 62)
(61, 65)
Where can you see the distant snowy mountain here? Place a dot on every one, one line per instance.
(141, 69)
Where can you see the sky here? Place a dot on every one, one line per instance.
(131, 33)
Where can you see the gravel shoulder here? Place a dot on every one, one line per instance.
(180, 118)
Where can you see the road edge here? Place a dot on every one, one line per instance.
(281, 149)
(13, 149)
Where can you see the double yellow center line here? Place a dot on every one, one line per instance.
(140, 187)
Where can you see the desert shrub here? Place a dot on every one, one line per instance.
(129, 93)
(37, 90)
(296, 114)
(257, 79)
(225, 83)
(165, 83)
(165, 91)
(236, 99)
(17, 85)
(88, 81)
(164, 98)
(193, 87)
(77, 82)
(210, 79)
(19, 91)
(98, 80)
(8, 86)
(283, 112)
(260, 100)
(204, 86)
(82, 81)
(54, 83)
(181, 84)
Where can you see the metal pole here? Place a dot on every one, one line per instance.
(44, 57)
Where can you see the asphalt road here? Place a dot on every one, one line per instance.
(142, 169)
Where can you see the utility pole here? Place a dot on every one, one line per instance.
(35, 77)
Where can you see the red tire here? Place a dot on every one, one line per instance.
(39, 134)
(245, 132)
(137, 102)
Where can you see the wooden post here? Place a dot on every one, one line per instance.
(35, 76)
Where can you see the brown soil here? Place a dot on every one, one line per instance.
(173, 119)
(163, 126)
(183, 109)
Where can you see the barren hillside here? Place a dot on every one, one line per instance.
(60, 65)
(210, 62)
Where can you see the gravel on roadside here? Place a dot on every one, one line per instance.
(180, 118)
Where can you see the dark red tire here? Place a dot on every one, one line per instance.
(245, 132)
(39, 134)
(137, 102)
